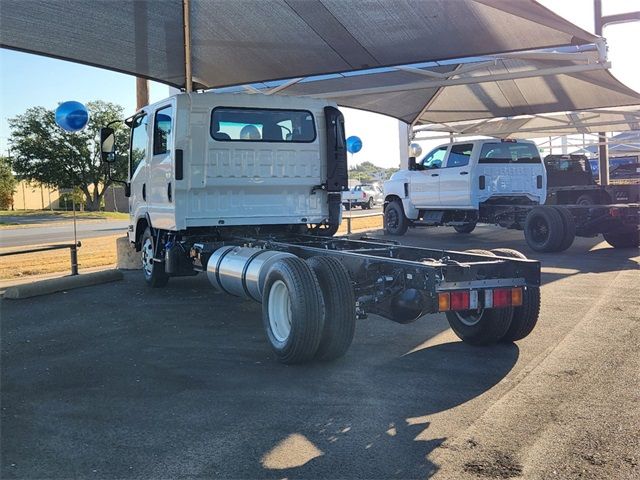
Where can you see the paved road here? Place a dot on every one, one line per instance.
(121, 381)
(53, 233)
(16, 237)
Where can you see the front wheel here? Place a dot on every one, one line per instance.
(395, 221)
(625, 239)
(153, 271)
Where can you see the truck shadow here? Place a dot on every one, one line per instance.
(155, 390)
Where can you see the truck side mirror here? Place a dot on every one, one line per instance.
(108, 144)
(412, 163)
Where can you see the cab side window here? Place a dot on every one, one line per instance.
(162, 130)
(459, 155)
(139, 142)
(434, 158)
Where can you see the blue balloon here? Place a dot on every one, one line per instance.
(354, 144)
(72, 116)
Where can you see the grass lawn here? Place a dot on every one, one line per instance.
(56, 214)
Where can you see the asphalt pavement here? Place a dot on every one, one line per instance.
(60, 232)
(123, 381)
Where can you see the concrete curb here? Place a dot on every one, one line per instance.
(53, 285)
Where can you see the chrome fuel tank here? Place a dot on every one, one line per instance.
(242, 271)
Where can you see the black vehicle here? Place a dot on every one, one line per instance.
(629, 171)
(570, 181)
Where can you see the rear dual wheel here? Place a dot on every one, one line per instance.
(624, 239)
(549, 229)
(487, 326)
(308, 309)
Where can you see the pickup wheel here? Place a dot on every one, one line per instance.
(324, 230)
(370, 203)
(347, 206)
(466, 228)
(569, 227)
(525, 316)
(154, 274)
(395, 221)
(625, 239)
(544, 229)
(292, 310)
(340, 307)
(480, 326)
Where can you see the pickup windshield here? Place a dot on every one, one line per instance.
(504, 152)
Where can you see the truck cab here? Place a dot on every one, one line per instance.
(209, 160)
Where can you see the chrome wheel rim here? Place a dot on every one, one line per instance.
(147, 257)
(280, 311)
(470, 317)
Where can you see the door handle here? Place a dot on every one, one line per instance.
(435, 174)
(464, 173)
(144, 191)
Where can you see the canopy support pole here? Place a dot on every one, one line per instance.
(186, 18)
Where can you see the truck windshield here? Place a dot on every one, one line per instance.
(504, 152)
(262, 125)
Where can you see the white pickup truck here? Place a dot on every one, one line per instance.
(247, 190)
(500, 182)
(365, 196)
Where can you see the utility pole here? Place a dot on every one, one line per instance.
(600, 22)
(142, 92)
(603, 149)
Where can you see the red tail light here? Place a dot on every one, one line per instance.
(364, 195)
(460, 300)
(501, 297)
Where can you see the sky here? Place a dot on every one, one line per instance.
(28, 80)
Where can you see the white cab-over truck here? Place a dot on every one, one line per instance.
(247, 189)
(493, 181)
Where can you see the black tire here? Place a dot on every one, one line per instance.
(569, 227)
(154, 274)
(625, 239)
(525, 317)
(370, 203)
(395, 221)
(466, 228)
(303, 300)
(347, 206)
(544, 229)
(340, 307)
(491, 325)
(586, 199)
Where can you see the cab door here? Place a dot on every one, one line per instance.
(161, 185)
(424, 182)
(138, 168)
(455, 177)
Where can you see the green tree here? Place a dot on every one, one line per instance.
(8, 184)
(45, 153)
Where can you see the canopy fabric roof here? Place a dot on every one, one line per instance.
(528, 83)
(238, 42)
(619, 119)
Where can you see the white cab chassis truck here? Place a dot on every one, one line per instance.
(493, 181)
(247, 189)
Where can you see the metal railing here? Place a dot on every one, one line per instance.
(73, 247)
(366, 215)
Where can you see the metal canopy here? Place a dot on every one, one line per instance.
(237, 42)
(618, 119)
(514, 84)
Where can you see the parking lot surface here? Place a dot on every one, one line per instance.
(121, 381)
